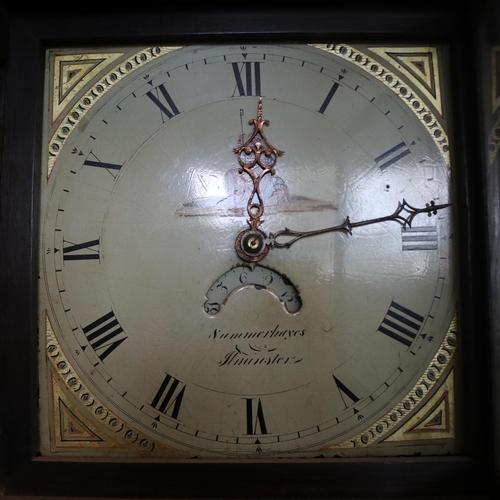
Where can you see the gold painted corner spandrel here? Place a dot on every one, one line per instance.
(81, 424)
(418, 416)
(77, 80)
(420, 65)
(434, 421)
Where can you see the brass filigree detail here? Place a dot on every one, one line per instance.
(435, 420)
(72, 72)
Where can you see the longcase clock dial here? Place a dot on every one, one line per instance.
(281, 349)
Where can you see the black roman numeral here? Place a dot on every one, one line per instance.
(259, 421)
(96, 162)
(392, 155)
(247, 81)
(348, 397)
(104, 335)
(331, 93)
(401, 324)
(88, 250)
(160, 96)
(419, 238)
(168, 399)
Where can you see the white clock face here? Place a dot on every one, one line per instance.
(177, 335)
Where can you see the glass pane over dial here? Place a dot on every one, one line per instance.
(176, 334)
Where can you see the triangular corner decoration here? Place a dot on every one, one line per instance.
(495, 78)
(72, 72)
(71, 429)
(435, 420)
(420, 65)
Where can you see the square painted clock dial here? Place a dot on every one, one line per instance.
(246, 251)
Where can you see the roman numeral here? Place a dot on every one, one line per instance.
(247, 81)
(392, 156)
(401, 324)
(348, 397)
(259, 421)
(168, 399)
(419, 238)
(331, 93)
(160, 96)
(96, 162)
(81, 251)
(104, 335)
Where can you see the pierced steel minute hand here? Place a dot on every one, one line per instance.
(403, 215)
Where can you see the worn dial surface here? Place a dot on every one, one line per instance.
(162, 320)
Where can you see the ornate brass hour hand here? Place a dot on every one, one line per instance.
(403, 215)
(257, 158)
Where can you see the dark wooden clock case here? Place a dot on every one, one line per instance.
(24, 34)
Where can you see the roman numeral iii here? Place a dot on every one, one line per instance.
(419, 238)
(401, 324)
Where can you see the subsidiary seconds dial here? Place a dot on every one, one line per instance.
(214, 354)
